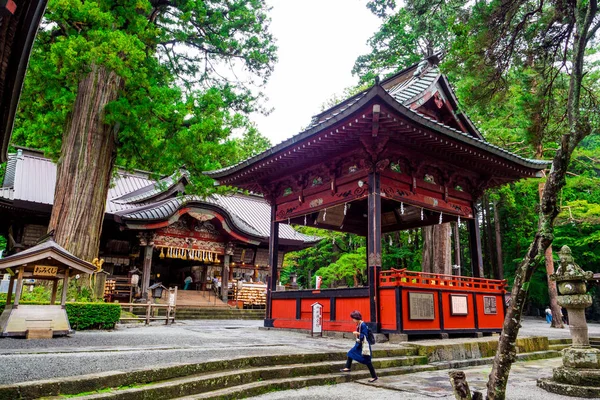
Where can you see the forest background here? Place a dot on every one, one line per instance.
(193, 110)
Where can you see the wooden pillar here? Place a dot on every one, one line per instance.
(374, 246)
(148, 249)
(54, 289)
(65, 288)
(19, 289)
(10, 290)
(475, 245)
(273, 253)
(225, 277)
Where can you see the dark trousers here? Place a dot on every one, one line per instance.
(369, 365)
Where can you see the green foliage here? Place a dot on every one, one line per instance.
(348, 270)
(81, 315)
(178, 61)
(323, 256)
(2, 243)
(341, 259)
(93, 315)
(418, 29)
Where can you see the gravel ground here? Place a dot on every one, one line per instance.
(138, 346)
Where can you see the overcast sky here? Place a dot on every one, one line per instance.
(318, 42)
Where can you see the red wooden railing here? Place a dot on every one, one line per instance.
(403, 277)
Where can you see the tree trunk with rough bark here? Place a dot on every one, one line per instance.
(437, 249)
(489, 242)
(552, 292)
(85, 166)
(578, 128)
(499, 262)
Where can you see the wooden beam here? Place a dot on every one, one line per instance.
(374, 246)
(65, 288)
(273, 255)
(19, 289)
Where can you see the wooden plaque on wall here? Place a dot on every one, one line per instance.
(489, 305)
(459, 305)
(421, 306)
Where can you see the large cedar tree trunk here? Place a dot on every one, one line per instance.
(85, 166)
(437, 249)
(499, 262)
(552, 292)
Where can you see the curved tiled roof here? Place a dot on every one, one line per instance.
(250, 214)
(360, 101)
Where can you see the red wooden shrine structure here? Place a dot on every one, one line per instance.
(397, 156)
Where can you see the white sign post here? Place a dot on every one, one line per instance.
(317, 319)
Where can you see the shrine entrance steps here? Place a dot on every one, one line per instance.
(192, 304)
(252, 376)
(195, 298)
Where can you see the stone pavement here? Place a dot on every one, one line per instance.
(431, 385)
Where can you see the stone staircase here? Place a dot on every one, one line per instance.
(251, 376)
(183, 313)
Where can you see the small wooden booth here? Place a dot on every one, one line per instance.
(397, 156)
(45, 261)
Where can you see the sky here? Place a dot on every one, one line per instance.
(318, 42)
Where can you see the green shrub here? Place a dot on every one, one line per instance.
(87, 315)
(93, 315)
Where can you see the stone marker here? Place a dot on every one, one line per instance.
(580, 373)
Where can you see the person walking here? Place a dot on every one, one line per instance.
(548, 315)
(356, 353)
(187, 282)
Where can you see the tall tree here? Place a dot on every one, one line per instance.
(148, 84)
(504, 33)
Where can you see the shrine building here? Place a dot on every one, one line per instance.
(152, 227)
(396, 156)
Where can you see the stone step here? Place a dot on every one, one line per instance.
(560, 341)
(558, 346)
(99, 382)
(265, 386)
(210, 382)
(261, 387)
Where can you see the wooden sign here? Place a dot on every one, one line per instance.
(421, 306)
(489, 305)
(44, 270)
(317, 319)
(459, 304)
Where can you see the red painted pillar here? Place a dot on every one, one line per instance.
(374, 247)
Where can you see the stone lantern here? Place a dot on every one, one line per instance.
(580, 373)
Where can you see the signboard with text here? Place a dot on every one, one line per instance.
(45, 270)
(317, 319)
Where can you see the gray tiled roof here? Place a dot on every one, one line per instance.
(250, 214)
(153, 189)
(35, 179)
